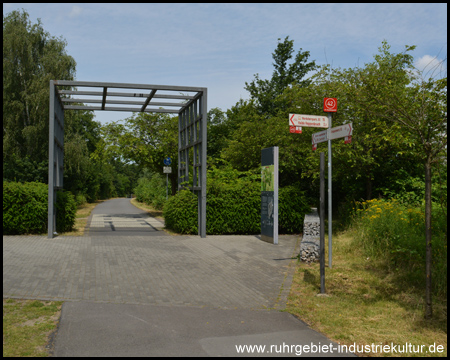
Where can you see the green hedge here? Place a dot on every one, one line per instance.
(180, 213)
(66, 210)
(292, 205)
(25, 209)
(233, 206)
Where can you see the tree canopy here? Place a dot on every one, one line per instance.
(284, 75)
(31, 58)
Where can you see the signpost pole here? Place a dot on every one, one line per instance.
(329, 194)
(346, 130)
(322, 223)
(167, 170)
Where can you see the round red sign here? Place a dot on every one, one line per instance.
(330, 104)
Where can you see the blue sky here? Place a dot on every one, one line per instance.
(221, 46)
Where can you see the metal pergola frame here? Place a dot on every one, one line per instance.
(191, 108)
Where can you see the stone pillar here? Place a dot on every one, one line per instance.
(310, 244)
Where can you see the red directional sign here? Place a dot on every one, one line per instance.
(330, 104)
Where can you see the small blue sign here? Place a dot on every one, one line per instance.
(167, 161)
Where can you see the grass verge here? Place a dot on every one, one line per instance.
(367, 305)
(28, 326)
(81, 218)
(158, 214)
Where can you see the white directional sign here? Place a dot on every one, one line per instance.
(341, 131)
(333, 133)
(319, 137)
(308, 120)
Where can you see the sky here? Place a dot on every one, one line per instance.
(222, 46)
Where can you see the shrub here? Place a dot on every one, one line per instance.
(25, 209)
(80, 199)
(180, 213)
(394, 232)
(66, 209)
(292, 205)
(233, 206)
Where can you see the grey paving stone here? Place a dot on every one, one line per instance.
(219, 271)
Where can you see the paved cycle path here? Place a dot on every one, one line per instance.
(160, 295)
(118, 217)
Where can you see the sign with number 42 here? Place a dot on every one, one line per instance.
(330, 104)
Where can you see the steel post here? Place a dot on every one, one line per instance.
(322, 223)
(51, 160)
(329, 194)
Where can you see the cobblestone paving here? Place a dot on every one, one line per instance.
(125, 221)
(218, 272)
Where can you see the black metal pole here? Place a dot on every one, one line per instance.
(322, 223)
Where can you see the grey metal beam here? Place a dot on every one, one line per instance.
(118, 102)
(192, 134)
(148, 100)
(192, 114)
(121, 94)
(179, 151)
(126, 86)
(203, 136)
(105, 89)
(196, 97)
(51, 168)
(93, 108)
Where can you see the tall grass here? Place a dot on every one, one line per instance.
(395, 232)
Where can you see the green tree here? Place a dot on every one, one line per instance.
(393, 88)
(31, 58)
(218, 131)
(262, 121)
(145, 139)
(264, 92)
(360, 169)
(81, 137)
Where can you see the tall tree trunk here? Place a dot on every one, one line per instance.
(428, 308)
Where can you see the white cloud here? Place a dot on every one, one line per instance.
(76, 10)
(431, 66)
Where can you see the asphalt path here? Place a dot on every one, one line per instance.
(118, 217)
(95, 329)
